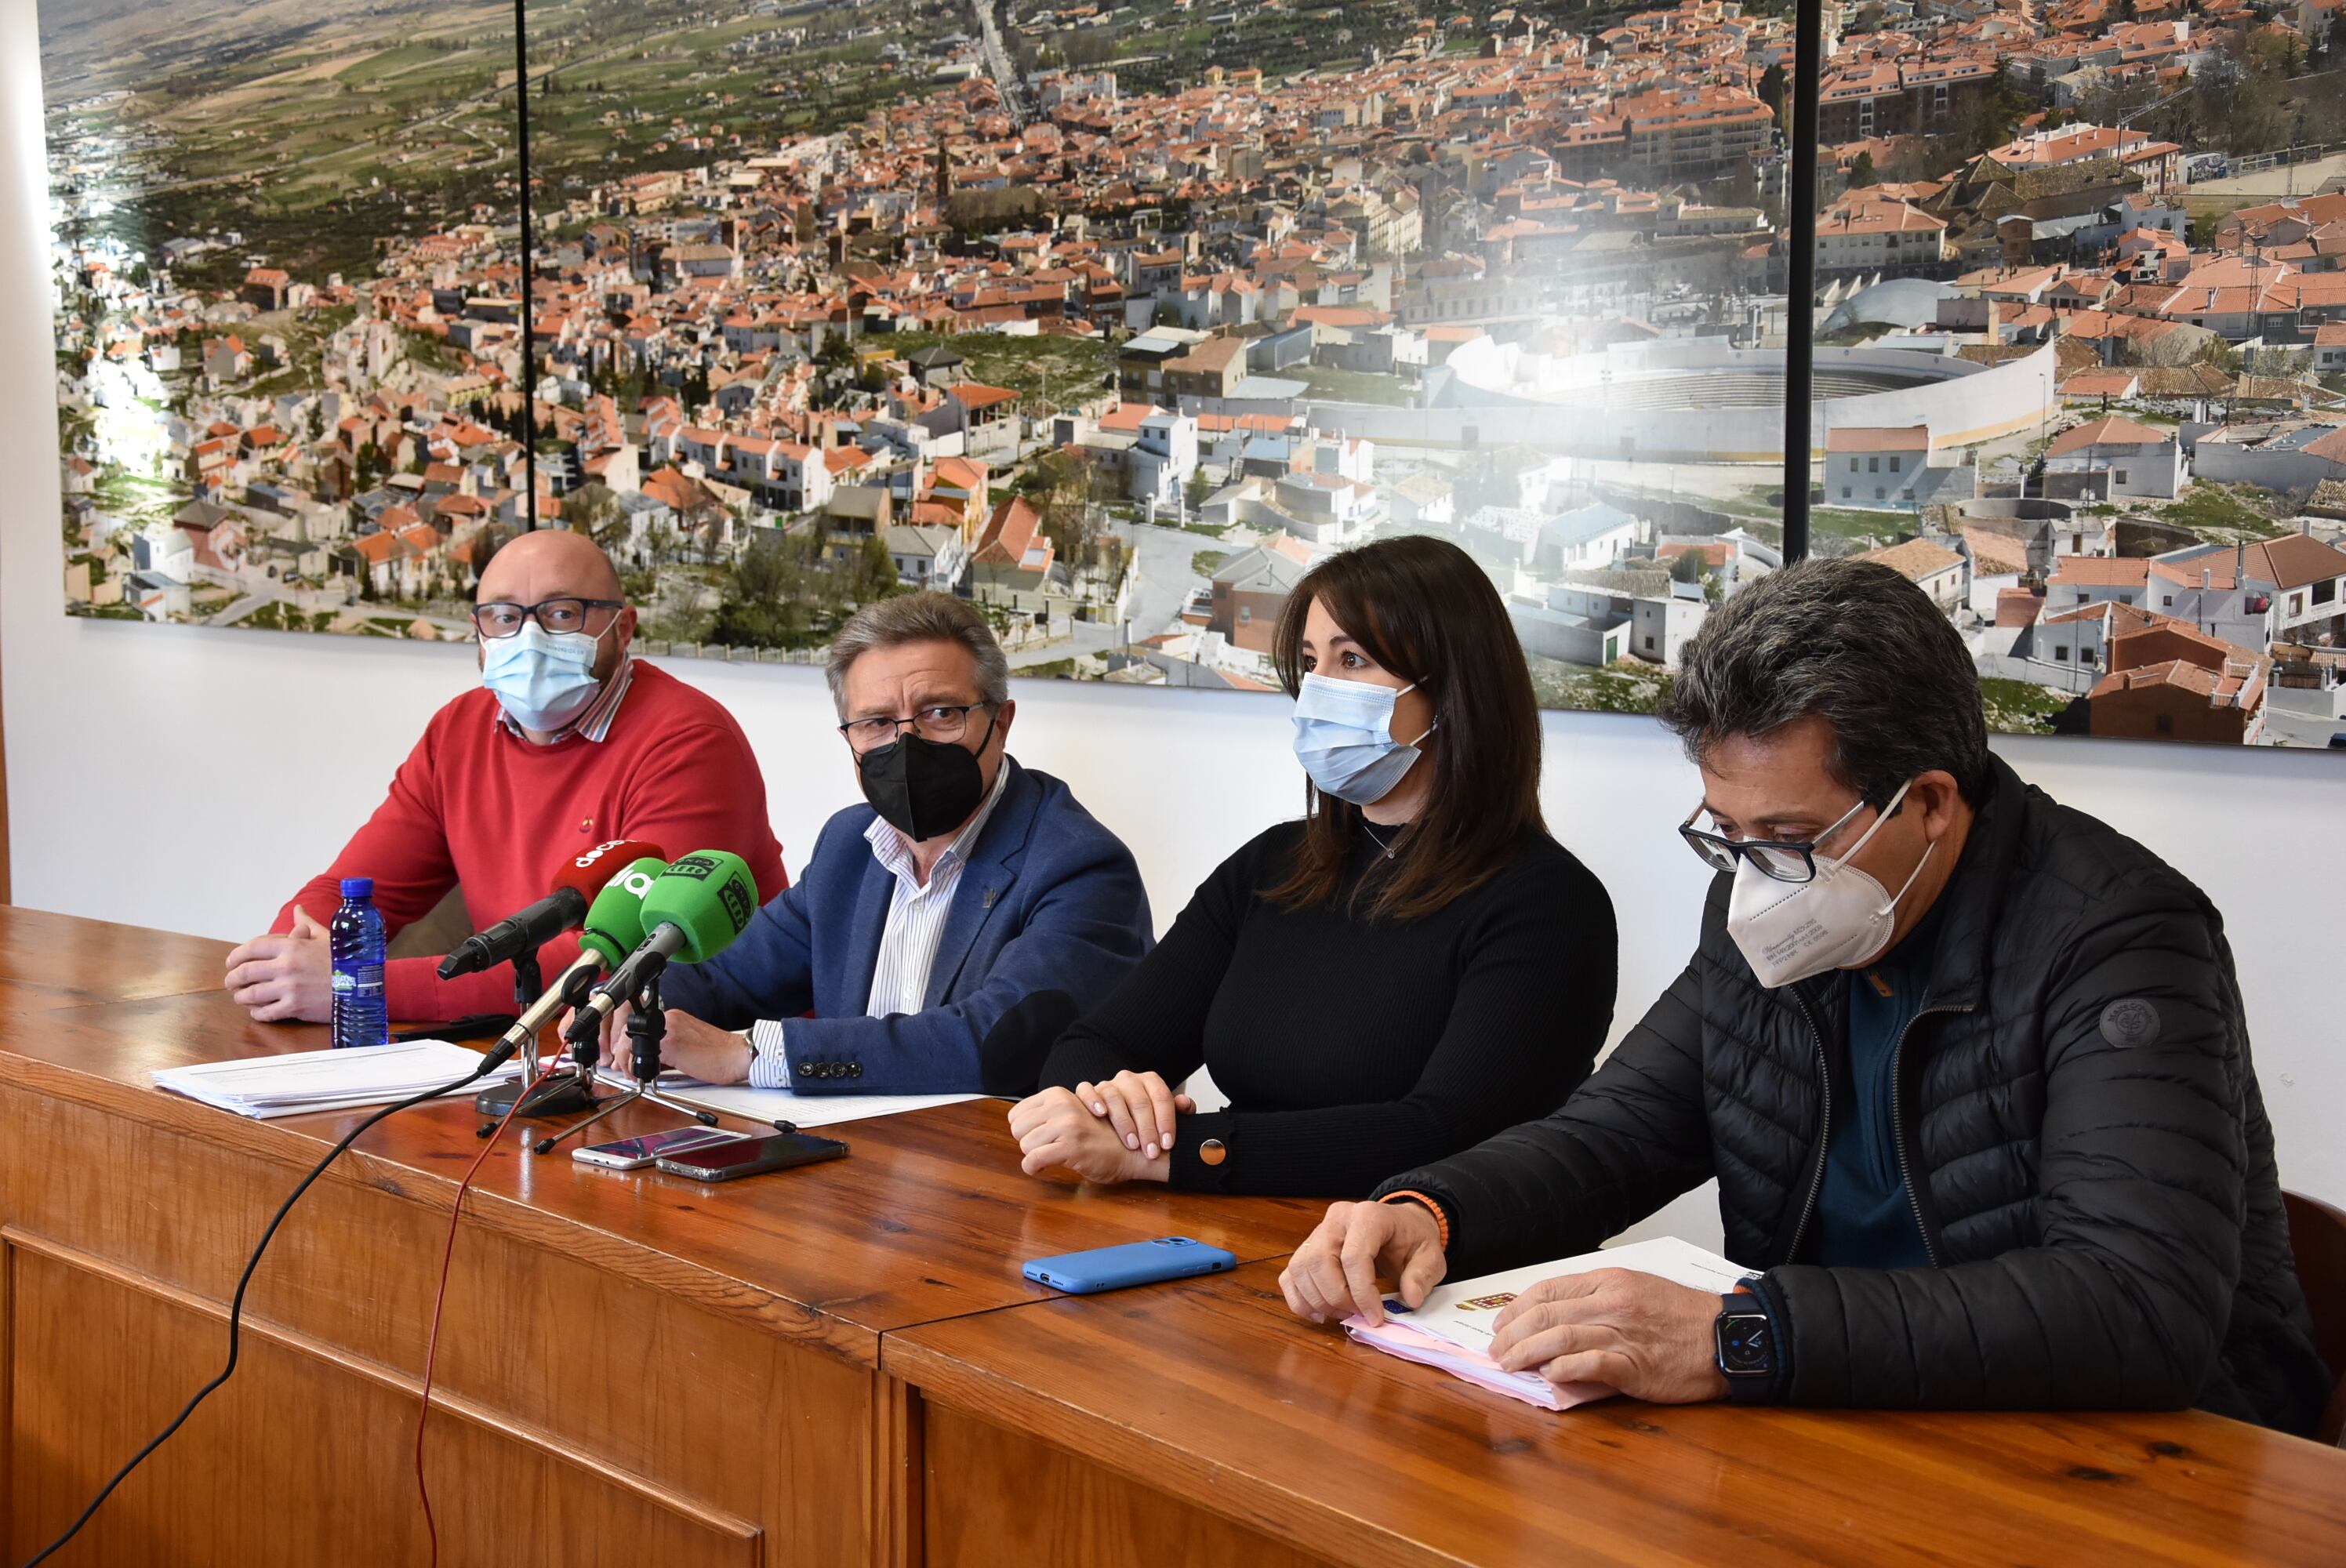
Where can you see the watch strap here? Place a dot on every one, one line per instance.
(1747, 1383)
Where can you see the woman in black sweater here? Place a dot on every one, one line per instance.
(1410, 968)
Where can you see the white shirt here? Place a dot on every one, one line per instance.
(917, 912)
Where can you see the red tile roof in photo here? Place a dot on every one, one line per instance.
(2100, 572)
(2109, 431)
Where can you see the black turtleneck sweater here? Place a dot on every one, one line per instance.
(1351, 1047)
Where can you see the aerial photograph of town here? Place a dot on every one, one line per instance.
(1113, 319)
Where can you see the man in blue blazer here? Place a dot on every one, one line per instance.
(964, 886)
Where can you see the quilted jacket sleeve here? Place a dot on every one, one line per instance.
(2142, 1183)
(1632, 1137)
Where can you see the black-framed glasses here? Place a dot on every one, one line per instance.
(940, 722)
(502, 618)
(1781, 860)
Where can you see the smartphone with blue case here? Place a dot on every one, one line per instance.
(1134, 1263)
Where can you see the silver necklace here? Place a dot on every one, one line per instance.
(1389, 849)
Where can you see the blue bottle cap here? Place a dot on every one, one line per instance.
(358, 887)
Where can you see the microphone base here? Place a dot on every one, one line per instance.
(560, 1094)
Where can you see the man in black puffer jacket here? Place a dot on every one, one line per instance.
(1971, 1069)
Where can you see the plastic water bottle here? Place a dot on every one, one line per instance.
(356, 940)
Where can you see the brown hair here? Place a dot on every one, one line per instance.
(1425, 611)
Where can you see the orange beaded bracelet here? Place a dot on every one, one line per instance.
(1441, 1219)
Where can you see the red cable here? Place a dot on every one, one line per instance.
(440, 1298)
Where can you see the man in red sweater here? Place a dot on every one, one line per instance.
(566, 743)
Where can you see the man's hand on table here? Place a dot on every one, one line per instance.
(285, 977)
(1649, 1337)
(1644, 1336)
(1334, 1273)
(695, 1048)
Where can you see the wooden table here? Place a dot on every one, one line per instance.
(842, 1365)
(632, 1368)
(52, 961)
(1200, 1423)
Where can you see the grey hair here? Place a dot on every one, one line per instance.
(1854, 644)
(924, 618)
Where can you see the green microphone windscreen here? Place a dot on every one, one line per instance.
(614, 921)
(708, 895)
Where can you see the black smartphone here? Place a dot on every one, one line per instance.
(751, 1157)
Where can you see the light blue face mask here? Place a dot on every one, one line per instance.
(542, 679)
(1343, 737)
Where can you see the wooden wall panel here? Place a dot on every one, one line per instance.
(999, 1499)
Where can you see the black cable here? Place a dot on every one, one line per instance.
(236, 1304)
(528, 325)
(1801, 282)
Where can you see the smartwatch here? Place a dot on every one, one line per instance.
(1746, 1348)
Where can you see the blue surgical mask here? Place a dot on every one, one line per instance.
(542, 679)
(1343, 737)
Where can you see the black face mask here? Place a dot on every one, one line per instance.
(922, 788)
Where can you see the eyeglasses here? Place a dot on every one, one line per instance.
(500, 618)
(1783, 861)
(943, 722)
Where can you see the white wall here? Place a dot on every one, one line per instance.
(188, 780)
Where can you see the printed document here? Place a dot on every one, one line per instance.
(1452, 1329)
(299, 1082)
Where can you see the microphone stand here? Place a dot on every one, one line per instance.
(557, 1091)
(646, 1027)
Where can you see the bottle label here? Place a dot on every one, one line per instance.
(363, 977)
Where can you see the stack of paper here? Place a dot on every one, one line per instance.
(305, 1081)
(1452, 1329)
(782, 1105)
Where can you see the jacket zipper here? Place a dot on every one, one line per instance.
(1898, 1127)
(1824, 1126)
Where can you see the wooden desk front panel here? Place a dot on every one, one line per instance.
(304, 1458)
(996, 1497)
(1208, 1398)
(564, 1391)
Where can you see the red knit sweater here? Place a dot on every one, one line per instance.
(477, 805)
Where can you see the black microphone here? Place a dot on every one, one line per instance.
(575, 881)
(643, 1048)
(525, 930)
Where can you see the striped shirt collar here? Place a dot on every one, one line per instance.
(894, 852)
(596, 722)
